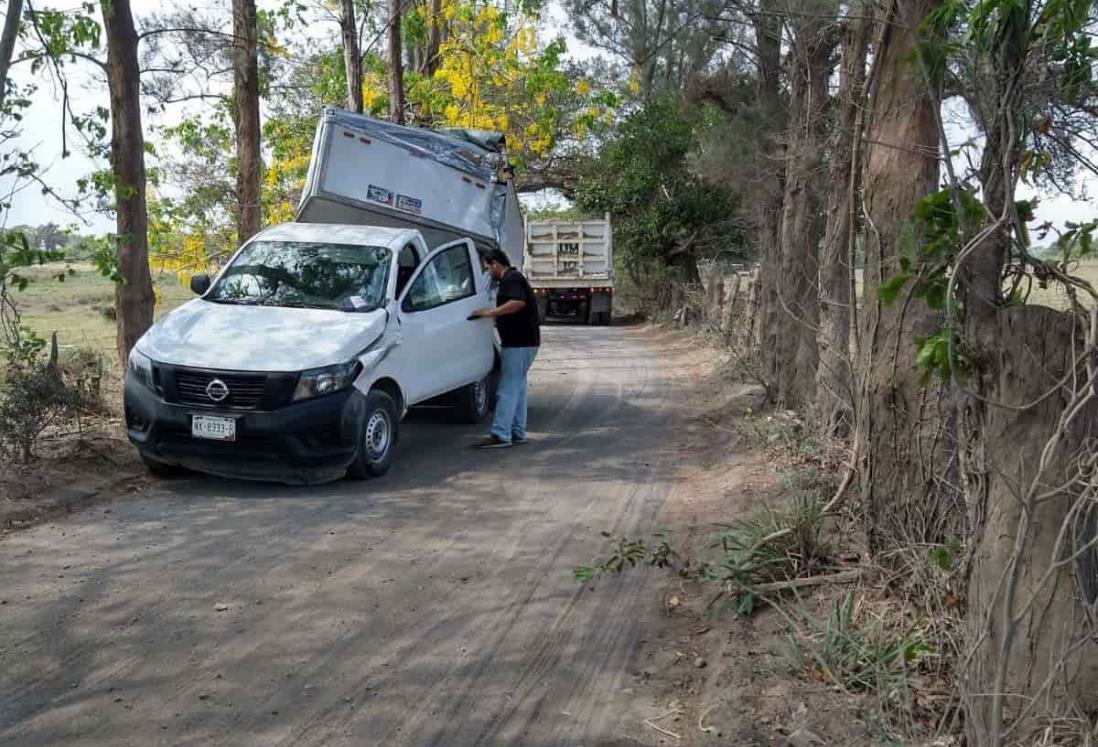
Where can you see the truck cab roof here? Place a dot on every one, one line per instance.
(341, 233)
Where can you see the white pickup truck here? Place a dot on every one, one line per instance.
(300, 358)
(570, 266)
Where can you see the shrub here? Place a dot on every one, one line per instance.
(33, 395)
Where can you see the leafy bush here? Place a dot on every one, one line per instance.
(33, 395)
(665, 215)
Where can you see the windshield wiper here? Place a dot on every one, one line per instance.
(239, 301)
(299, 305)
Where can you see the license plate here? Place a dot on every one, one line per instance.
(215, 429)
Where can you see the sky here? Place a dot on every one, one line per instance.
(42, 133)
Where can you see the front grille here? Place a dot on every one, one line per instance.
(245, 390)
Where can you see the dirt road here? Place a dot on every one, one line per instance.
(434, 606)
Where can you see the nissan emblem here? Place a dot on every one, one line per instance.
(217, 390)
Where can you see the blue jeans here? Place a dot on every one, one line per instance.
(510, 420)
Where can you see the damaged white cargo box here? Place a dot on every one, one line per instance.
(448, 184)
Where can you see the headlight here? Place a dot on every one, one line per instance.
(321, 381)
(140, 368)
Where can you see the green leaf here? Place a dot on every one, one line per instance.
(584, 573)
(942, 558)
(890, 289)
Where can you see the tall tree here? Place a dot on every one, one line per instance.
(834, 389)
(766, 214)
(664, 42)
(249, 163)
(434, 38)
(134, 294)
(1029, 394)
(7, 43)
(802, 224)
(352, 58)
(396, 65)
(900, 420)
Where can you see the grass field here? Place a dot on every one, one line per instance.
(1053, 296)
(80, 309)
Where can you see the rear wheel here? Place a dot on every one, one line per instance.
(376, 437)
(474, 401)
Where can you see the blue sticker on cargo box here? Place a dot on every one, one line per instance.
(409, 204)
(379, 194)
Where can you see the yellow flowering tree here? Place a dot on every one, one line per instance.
(493, 73)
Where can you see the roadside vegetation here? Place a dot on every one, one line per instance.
(926, 347)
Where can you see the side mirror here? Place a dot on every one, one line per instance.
(200, 284)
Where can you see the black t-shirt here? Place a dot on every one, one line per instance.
(518, 330)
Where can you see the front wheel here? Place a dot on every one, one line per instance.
(162, 470)
(376, 437)
(474, 401)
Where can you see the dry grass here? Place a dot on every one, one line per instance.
(80, 309)
(1052, 296)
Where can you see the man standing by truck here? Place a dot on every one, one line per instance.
(516, 318)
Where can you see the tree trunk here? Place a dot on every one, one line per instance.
(767, 206)
(1031, 605)
(834, 390)
(802, 224)
(1028, 463)
(7, 43)
(902, 456)
(249, 164)
(134, 294)
(352, 59)
(396, 65)
(434, 37)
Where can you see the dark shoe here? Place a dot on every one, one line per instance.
(493, 442)
(519, 441)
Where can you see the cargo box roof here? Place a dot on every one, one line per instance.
(465, 150)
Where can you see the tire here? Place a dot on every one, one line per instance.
(493, 388)
(474, 401)
(161, 470)
(377, 434)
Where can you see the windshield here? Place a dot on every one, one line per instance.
(305, 275)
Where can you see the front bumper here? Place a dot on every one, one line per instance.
(304, 442)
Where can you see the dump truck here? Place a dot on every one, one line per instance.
(570, 266)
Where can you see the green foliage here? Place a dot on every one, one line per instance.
(946, 556)
(1075, 243)
(628, 553)
(33, 395)
(859, 656)
(661, 209)
(65, 32)
(16, 252)
(934, 355)
(773, 545)
(931, 242)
